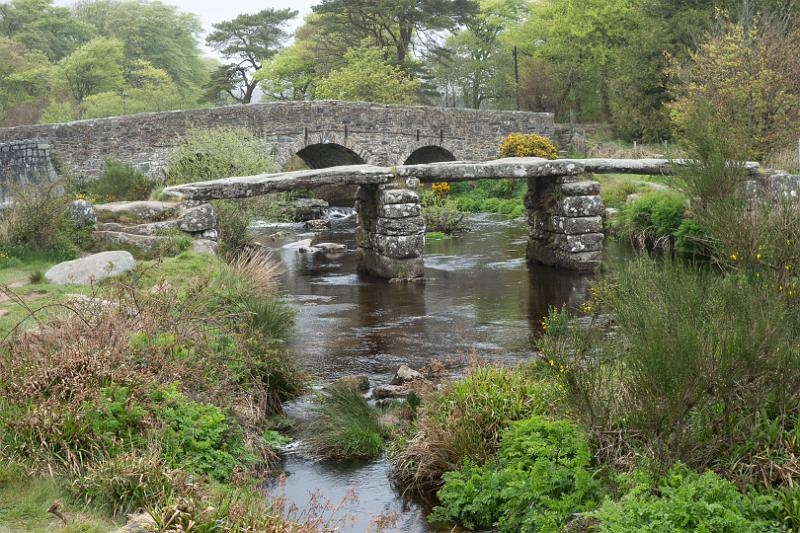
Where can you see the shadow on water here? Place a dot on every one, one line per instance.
(479, 298)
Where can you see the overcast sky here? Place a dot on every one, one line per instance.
(212, 11)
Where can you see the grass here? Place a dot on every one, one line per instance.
(24, 502)
(345, 425)
(615, 188)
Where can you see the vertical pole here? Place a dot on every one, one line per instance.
(516, 75)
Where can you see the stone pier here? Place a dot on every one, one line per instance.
(391, 232)
(565, 222)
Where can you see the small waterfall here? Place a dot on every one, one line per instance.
(338, 213)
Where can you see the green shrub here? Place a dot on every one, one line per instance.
(38, 224)
(442, 215)
(199, 437)
(691, 239)
(491, 196)
(36, 277)
(115, 418)
(464, 420)
(173, 242)
(651, 220)
(120, 181)
(688, 501)
(527, 145)
(539, 478)
(693, 357)
(344, 426)
(208, 154)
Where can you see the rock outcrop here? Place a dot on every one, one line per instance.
(90, 269)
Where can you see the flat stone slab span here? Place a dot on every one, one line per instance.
(515, 168)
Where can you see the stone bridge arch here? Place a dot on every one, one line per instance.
(326, 155)
(429, 153)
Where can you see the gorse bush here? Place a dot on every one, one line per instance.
(207, 154)
(344, 426)
(464, 420)
(442, 214)
(539, 478)
(527, 145)
(688, 501)
(119, 181)
(693, 356)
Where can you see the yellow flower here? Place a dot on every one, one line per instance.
(734, 257)
(758, 257)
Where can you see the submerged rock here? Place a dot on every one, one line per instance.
(92, 268)
(318, 225)
(360, 383)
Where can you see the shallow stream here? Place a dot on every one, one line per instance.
(479, 299)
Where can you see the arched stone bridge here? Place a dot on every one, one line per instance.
(565, 212)
(322, 133)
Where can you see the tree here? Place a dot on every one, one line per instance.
(93, 68)
(152, 32)
(471, 64)
(368, 77)
(392, 24)
(290, 75)
(247, 40)
(580, 41)
(24, 75)
(749, 76)
(38, 25)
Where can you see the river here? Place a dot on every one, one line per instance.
(479, 299)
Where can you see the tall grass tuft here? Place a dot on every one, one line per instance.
(344, 426)
(463, 421)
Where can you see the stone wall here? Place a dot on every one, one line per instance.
(365, 133)
(22, 163)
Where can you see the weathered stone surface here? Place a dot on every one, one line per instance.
(399, 246)
(406, 374)
(399, 210)
(317, 225)
(92, 268)
(305, 209)
(82, 213)
(389, 268)
(143, 211)
(397, 196)
(400, 226)
(151, 229)
(211, 235)
(139, 523)
(24, 162)
(197, 219)
(204, 246)
(360, 383)
(589, 242)
(580, 188)
(542, 252)
(330, 247)
(382, 392)
(143, 242)
(566, 225)
(579, 206)
(337, 132)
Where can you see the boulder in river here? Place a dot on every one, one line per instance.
(92, 268)
(406, 374)
(360, 383)
(382, 392)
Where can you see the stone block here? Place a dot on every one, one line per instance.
(197, 219)
(400, 226)
(540, 251)
(397, 196)
(579, 206)
(90, 269)
(581, 188)
(406, 210)
(375, 264)
(566, 225)
(589, 242)
(400, 246)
